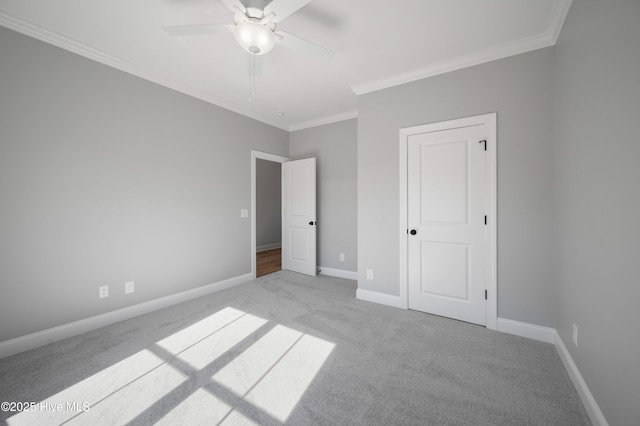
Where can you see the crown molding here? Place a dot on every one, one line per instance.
(324, 120)
(477, 58)
(548, 38)
(74, 46)
(558, 16)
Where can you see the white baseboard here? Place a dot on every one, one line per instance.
(339, 273)
(268, 247)
(532, 331)
(381, 298)
(589, 402)
(550, 335)
(41, 338)
(523, 329)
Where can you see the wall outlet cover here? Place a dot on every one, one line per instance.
(103, 291)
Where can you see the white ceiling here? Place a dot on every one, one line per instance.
(377, 43)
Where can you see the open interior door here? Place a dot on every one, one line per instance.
(299, 216)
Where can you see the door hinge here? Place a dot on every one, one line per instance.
(485, 295)
(484, 141)
(485, 219)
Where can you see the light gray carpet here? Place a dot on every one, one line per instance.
(295, 349)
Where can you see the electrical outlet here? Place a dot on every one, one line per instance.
(103, 292)
(369, 274)
(244, 213)
(341, 257)
(575, 334)
(129, 287)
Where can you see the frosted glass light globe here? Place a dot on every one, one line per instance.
(254, 37)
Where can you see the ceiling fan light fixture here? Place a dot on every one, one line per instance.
(254, 37)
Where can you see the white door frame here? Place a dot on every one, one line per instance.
(490, 121)
(255, 155)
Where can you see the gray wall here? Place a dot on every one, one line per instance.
(335, 147)
(597, 168)
(268, 203)
(105, 178)
(519, 89)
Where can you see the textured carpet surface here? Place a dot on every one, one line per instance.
(288, 348)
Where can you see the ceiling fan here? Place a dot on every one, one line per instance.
(255, 28)
(255, 31)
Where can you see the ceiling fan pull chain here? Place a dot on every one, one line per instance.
(252, 58)
(252, 75)
(253, 72)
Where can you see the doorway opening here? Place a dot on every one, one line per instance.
(268, 261)
(266, 213)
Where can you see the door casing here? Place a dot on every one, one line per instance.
(490, 121)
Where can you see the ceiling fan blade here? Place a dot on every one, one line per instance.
(283, 8)
(195, 29)
(235, 6)
(304, 46)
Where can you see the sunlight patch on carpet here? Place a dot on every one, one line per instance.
(275, 372)
(111, 381)
(181, 340)
(272, 374)
(212, 347)
(201, 407)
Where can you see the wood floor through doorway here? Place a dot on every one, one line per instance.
(268, 261)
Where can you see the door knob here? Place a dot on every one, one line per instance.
(413, 232)
(312, 223)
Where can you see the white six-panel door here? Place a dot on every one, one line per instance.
(446, 208)
(299, 216)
